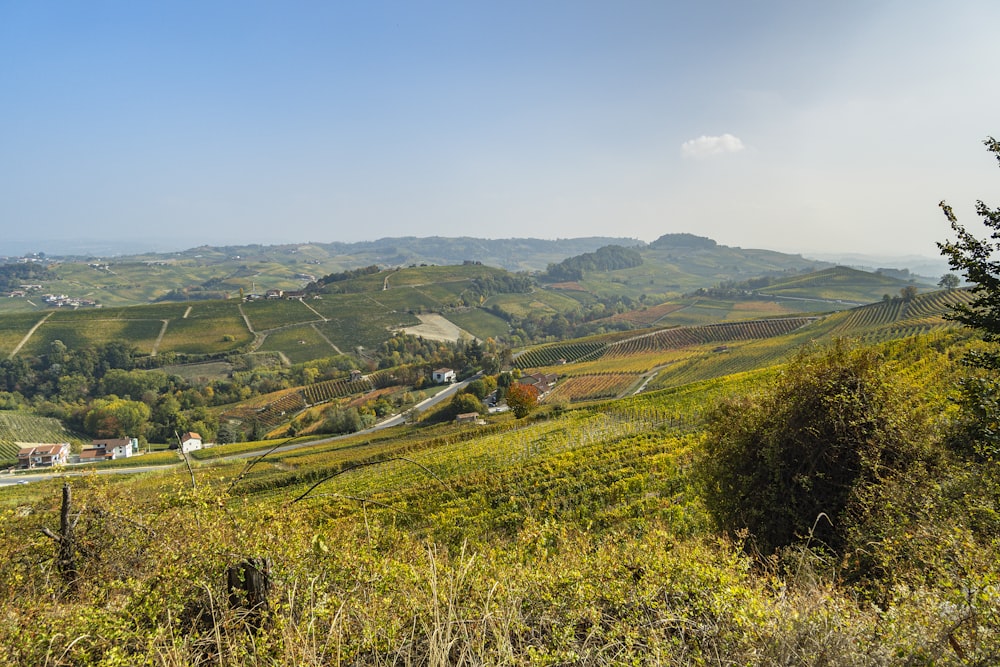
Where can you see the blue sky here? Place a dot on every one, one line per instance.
(797, 126)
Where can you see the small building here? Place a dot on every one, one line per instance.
(42, 456)
(356, 375)
(443, 376)
(295, 295)
(467, 418)
(273, 294)
(540, 381)
(109, 449)
(190, 441)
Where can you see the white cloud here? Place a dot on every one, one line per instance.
(704, 147)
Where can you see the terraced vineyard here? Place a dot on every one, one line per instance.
(17, 427)
(548, 355)
(591, 387)
(613, 347)
(328, 390)
(667, 339)
(898, 318)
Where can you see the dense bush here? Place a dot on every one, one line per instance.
(806, 455)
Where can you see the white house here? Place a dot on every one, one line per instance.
(114, 448)
(443, 376)
(190, 441)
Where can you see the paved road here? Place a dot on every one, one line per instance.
(395, 420)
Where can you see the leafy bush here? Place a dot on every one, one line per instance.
(820, 440)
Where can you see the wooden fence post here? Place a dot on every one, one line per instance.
(249, 585)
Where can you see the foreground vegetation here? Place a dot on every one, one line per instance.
(575, 536)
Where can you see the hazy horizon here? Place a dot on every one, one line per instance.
(796, 127)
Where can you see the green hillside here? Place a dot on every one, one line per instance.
(22, 427)
(839, 283)
(580, 536)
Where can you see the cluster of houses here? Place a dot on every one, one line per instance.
(48, 455)
(63, 301)
(272, 294)
(108, 449)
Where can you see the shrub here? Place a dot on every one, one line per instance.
(819, 440)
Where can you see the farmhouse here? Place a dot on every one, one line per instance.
(443, 375)
(42, 456)
(540, 381)
(190, 441)
(109, 449)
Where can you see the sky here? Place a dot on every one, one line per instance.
(799, 126)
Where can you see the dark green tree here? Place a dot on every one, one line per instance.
(979, 261)
(977, 430)
(949, 281)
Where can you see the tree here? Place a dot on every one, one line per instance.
(819, 440)
(977, 260)
(976, 432)
(522, 399)
(908, 293)
(118, 418)
(949, 281)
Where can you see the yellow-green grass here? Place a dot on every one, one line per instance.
(211, 370)
(93, 332)
(365, 326)
(14, 327)
(11, 305)
(273, 313)
(480, 323)
(205, 335)
(347, 306)
(523, 305)
(407, 298)
(299, 343)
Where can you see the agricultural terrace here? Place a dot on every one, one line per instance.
(23, 427)
(897, 318)
(299, 343)
(14, 327)
(269, 314)
(480, 323)
(591, 387)
(359, 319)
(658, 341)
(93, 332)
(838, 283)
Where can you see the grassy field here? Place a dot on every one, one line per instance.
(479, 323)
(299, 343)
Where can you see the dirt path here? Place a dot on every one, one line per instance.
(28, 335)
(186, 313)
(159, 339)
(258, 339)
(321, 335)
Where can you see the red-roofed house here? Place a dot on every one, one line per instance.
(43, 456)
(190, 441)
